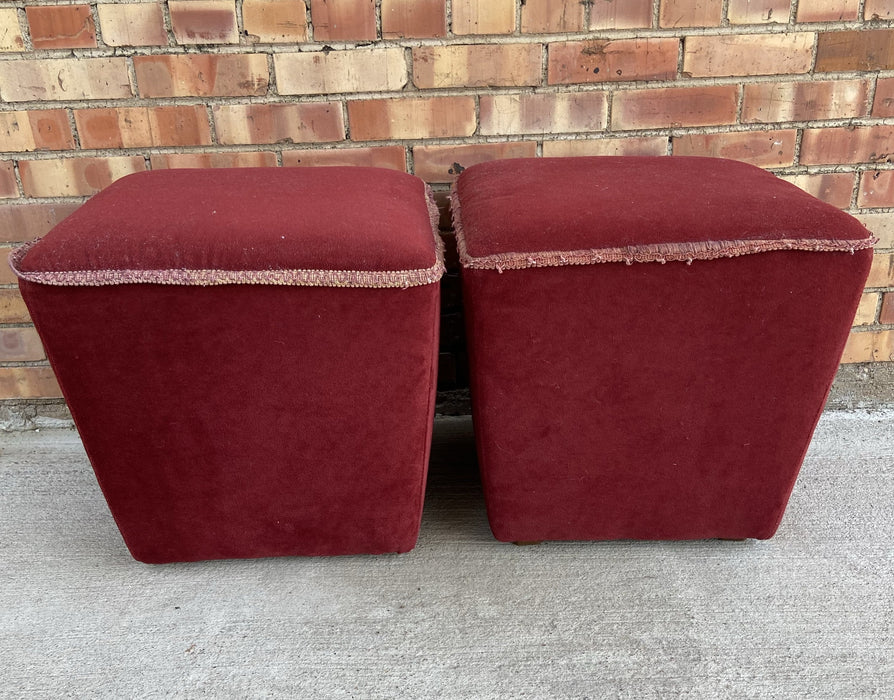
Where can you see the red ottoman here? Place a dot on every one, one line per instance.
(651, 341)
(249, 356)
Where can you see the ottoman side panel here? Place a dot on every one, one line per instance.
(653, 401)
(237, 421)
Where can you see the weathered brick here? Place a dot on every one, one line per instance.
(690, 13)
(414, 18)
(748, 54)
(204, 21)
(392, 157)
(882, 226)
(476, 65)
(8, 186)
(633, 146)
(827, 10)
(769, 149)
(29, 383)
(869, 346)
(876, 190)
(672, 107)
(39, 129)
(202, 75)
(20, 345)
(543, 113)
(881, 274)
(275, 21)
(483, 16)
(61, 26)
(862, 144)
(883, 104)
(411, 118)
(445, 163)
(866, 309)
(859, 49)
(306, 122)
(75, 176)
(878, 9)
(140, 24)
(12, 307)
(64, 79)
(803, 101)
(11, 38)
(887, 314)
(546, 16)
(600, 60)
(243, 159)
(833, 188)
(343, 20)
(7, 276)
(134, 127)
(30, 220)
(358, 70)
(758, 11)
(620, 14)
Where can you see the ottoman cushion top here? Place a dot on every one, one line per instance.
(340, 226)
(531, 212)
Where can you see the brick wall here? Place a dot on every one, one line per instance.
(92, 91)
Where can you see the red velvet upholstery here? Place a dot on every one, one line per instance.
(246, 419)
(648, 400)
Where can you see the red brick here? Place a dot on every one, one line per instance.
(391, 157)
(673, 107)
(477, 65)
(876, 189)
(769, 149)
(543, 113)
(343, 20)
(12, 307)
(445, 163)
(30, 220)
(550, 16)
(887, 314)
(883, 105)
(860, 49)
(414, 18)
(804, 101)
(596, 61)
(61, 26)
(690, 13)
(8, 186)
(483, 16)
(834, 188)
(748, 54)
(881, 273)
(7, 276)
(202, 75)
(243, 159)
(878, 9)
(863, 144)
(275, 21)
(11, 38)
(827, 10)
(758, 11)
(882, 226)
(141, 24)
(204, 21)
(75, 176)
(28, 383)
(35, 130)
(633, 146)
(135, 127)
(20, 345)
(64, 79)
(305, 122)
(620, 14)
(411, 118)
(356, 70)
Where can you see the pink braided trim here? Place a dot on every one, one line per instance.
(372, 279)
(658, 252)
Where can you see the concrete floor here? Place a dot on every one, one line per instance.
(808, 614)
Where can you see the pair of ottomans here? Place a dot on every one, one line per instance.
(250, 355)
